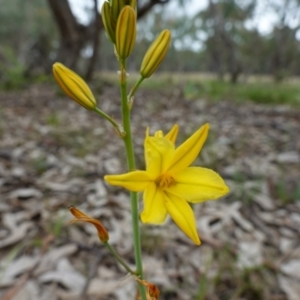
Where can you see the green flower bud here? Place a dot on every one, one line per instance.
(155, 54)
(132, 3)
(108, 22)
(74, 86)
(116, 7)
(126, 32)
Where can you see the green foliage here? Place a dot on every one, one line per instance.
(27, 35)
(40, 165)
(202, 289)
(57, 223)
(152, 240)
(21, 21)
(217, 39)
(53, 119)
(286, 192)
(11, 70)
(258, 92)
(231, 282)
(162, 81)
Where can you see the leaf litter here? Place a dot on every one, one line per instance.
(54, 154)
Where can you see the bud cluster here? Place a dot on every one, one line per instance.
(119, 19)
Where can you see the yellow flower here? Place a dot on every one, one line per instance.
(169, 182)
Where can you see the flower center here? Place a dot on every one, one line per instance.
(165, 181)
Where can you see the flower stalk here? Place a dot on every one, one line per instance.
(128, 142)
(133, 90)
(119, 19)
(119, 259)
(103, 235)
(118, 128)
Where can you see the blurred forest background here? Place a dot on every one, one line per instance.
(225, 37)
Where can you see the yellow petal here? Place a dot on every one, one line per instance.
(135, 181)
(158, 133)
(154, 207)
(172, 134)
(183, 215)
(198, 184)
(158, 154)
(187, 152)
(145, 150)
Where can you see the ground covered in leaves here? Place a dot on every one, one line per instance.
(54, 153)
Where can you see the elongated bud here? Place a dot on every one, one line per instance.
(126, 32)
(79, 216)
(132, 3)
(116, 7)
(108, 22)
(74, 86)
(155, 54)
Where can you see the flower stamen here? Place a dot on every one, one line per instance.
(165, 181)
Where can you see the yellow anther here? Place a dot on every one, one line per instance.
(165, 181)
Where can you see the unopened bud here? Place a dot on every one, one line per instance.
(116, 7)
(132, 3)
(126, 32)
(79, 216)
(108, 22)
(155, 54)
(74, 86)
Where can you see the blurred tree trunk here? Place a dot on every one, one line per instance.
(225, 45)
(75, 36)
(285, 51)
(96, 43)
(214, 43)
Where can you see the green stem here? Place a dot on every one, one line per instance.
(135, 87)
(119, 259)
(109, 119)
(131, 166)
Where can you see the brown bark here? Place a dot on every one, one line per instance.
(143, 10)
(98, 25)
(226, 44)
(73, 35)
